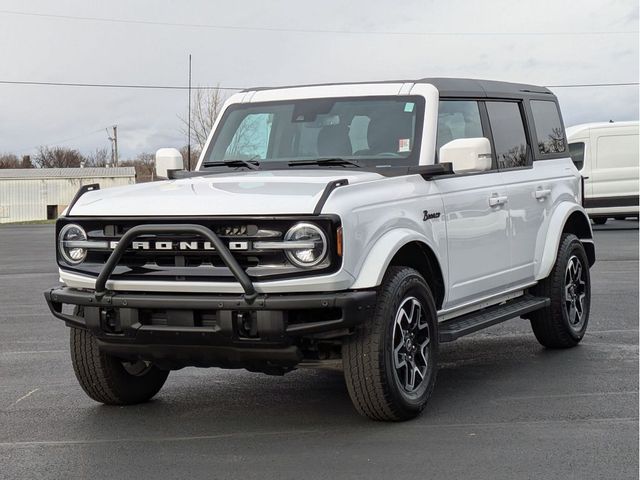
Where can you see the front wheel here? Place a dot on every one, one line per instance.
(390, 362)
(600, 220)
(110, 380)
(564, 322)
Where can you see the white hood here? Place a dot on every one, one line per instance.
(277, 192)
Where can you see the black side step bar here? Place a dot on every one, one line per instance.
(455, 328)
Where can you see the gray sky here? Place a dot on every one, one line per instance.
(37, 48)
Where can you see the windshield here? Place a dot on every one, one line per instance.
(367, 131)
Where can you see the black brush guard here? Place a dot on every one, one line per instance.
(227, 257)
(185, 340)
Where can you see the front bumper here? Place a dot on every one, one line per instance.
(209, 329)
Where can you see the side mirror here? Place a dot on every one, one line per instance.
(467, 154)
(167, 160)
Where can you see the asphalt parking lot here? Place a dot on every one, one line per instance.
(503, 408)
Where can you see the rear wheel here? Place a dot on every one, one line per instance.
(390, 363)
(599, 220)
(563, 323)
(108, 379)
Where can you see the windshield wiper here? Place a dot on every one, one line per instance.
(326, 161)
(252, 164)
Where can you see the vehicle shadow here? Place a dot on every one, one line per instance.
(616, 225)
(475, 374)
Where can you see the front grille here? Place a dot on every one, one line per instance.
(189, 258)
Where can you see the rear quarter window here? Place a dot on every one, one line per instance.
(549, 131)
(576, 150)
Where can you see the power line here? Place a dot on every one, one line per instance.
(61, 141)
(186, 87)
(312, 31)
(628, 84)
(114, 85)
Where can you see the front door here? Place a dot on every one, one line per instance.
(476, 212)
(477, 218)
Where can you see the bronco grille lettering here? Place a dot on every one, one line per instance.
(179, 246)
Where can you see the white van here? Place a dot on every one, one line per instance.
(607, 155)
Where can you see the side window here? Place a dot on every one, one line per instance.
(509, 138)
(457, 119)
(251, 139)
(576, 150)
(548, 127)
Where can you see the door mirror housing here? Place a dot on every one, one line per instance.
(467, 154)
(168, 160)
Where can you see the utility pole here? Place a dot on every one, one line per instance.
(115, 143)
(113, 154)
(189, 121)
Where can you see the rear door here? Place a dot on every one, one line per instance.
(475, 210)
(512, 149)
(532, 128)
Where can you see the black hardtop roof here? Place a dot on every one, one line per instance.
(454, 87)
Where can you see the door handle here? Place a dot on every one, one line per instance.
(497, 200)
(542, 193)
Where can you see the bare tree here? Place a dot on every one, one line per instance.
(205, 107)
(195, 154)
(99, 158)
(514, 157)
(58, 157)
(26, 162)
(246, 141)
(9, 160)
(144, 164)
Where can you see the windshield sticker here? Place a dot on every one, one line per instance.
(408, 107)
(404, 145)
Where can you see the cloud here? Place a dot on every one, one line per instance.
(38, 48)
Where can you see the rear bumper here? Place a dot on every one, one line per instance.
(210, 330)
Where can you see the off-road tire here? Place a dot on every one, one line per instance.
(551, 324)
(367, 355)
(104, 377)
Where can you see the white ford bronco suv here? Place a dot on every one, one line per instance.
(366, 223)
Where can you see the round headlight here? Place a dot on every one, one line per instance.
(68, 246)
(312, 235)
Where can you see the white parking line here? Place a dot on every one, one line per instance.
(564, 395)
(23, 397)
(30, 352)
(508, 424)
(631, 330)
(156, 439)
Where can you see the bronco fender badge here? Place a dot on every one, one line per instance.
(429, 216)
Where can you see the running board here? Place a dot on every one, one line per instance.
(455, 328)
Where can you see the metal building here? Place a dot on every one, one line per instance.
(28, 194)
